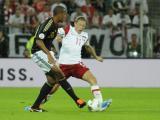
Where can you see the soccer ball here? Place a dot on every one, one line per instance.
(93, 105)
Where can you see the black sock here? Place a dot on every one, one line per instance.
(68, 88)
(43, 93)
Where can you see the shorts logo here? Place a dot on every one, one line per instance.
(83, 65)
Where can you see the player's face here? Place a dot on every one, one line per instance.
(134, 39)
(80, 25)
(63, 16)
(110, 12)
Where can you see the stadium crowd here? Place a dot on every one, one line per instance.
(23, 16)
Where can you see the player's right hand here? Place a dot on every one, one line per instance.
(59, 38)
(100, 59)
(58, 72)
(55, 66)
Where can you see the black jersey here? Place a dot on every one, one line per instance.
(46, 32)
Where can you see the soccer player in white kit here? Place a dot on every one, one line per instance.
(73, 39)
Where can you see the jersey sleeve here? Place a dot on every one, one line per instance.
(61, 32)
(43, 29)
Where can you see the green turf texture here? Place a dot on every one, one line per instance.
(128, 104)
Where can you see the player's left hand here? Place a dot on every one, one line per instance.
(59, 38)
(100, 59)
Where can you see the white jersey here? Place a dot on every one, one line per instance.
(72, 43)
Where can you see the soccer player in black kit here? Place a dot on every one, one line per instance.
(44, 58)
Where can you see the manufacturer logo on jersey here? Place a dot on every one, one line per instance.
(48, 25)
(84, 37)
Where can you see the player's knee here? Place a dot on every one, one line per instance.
(56, 75)
(59, 76)
(93, 80)
(51, 82)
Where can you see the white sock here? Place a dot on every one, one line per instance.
(97, 93)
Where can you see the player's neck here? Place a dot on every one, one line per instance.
(79, 32)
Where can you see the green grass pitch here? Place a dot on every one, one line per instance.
(128, 104)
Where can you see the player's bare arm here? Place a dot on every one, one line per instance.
(60, 35)
(91, 51)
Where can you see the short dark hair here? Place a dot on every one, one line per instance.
(59, 9)
(134, 34)
(80, 18)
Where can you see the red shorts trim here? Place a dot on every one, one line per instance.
(75, 70)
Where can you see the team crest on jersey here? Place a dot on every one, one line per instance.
(41, 36)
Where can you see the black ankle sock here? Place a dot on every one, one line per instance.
(43, 93)
(68, 88)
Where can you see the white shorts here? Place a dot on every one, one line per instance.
(41, 59)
